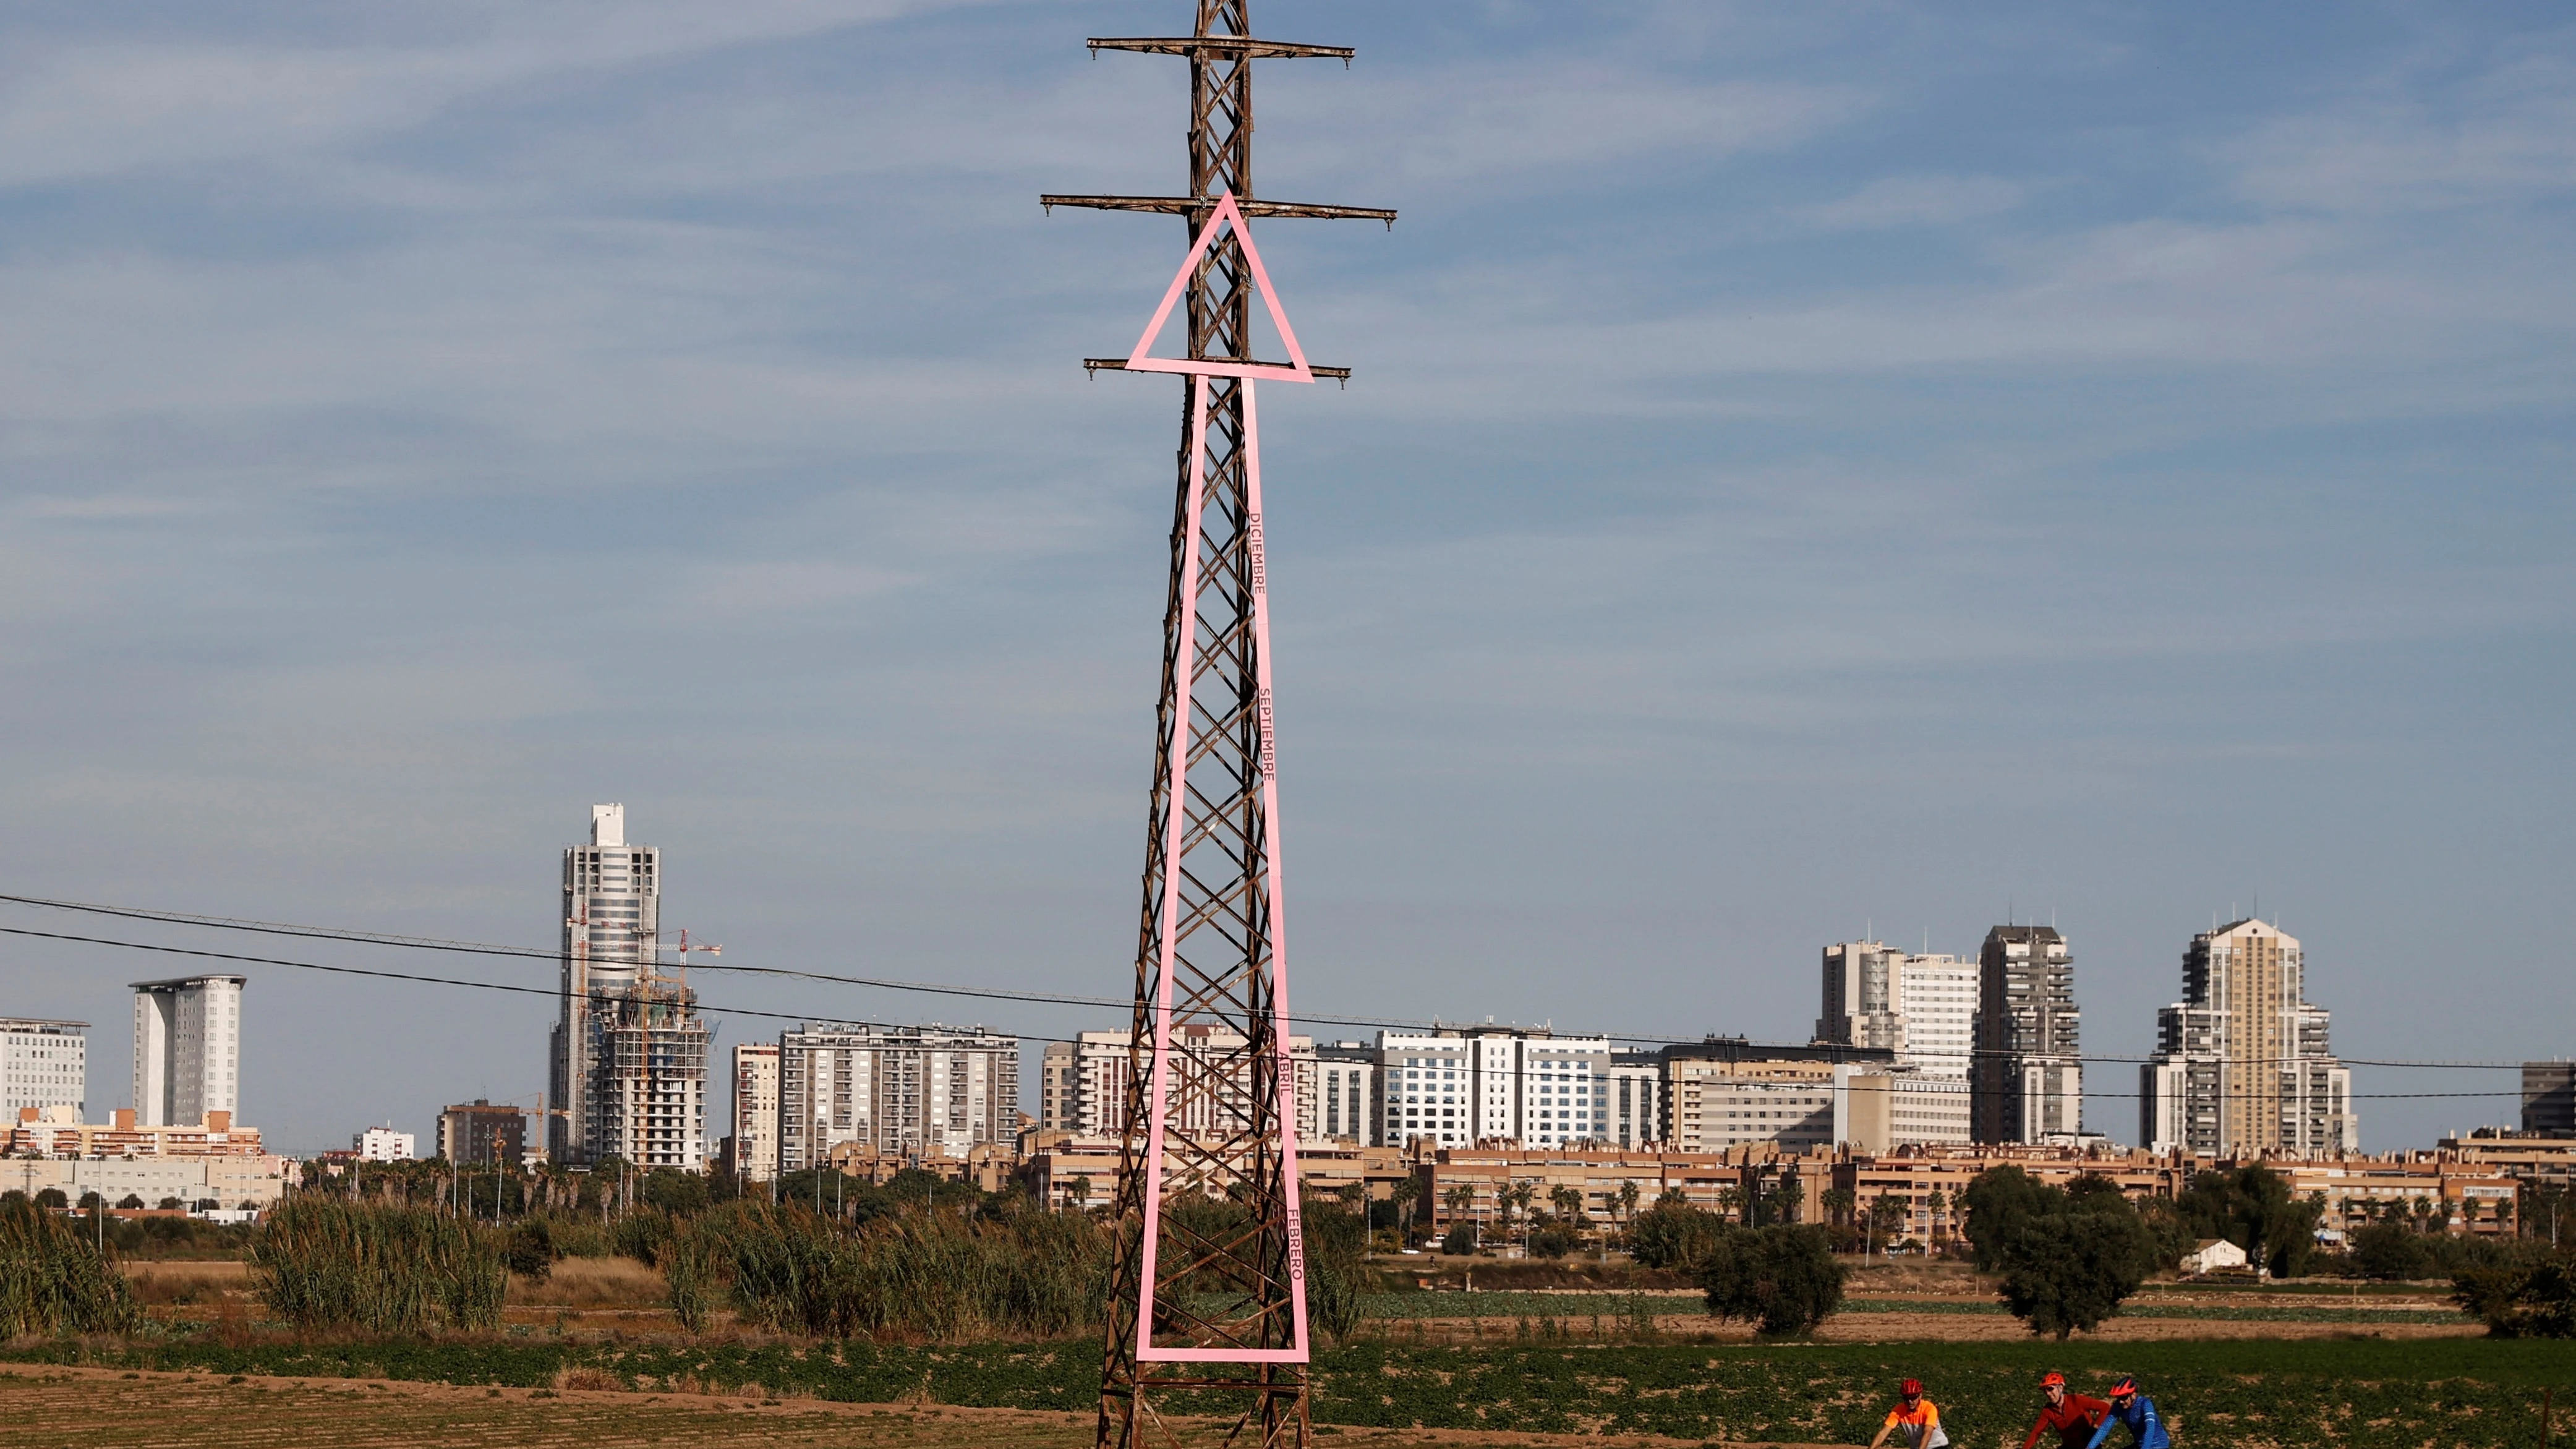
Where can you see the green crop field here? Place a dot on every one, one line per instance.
(2370, 1394)
(1610, 1309)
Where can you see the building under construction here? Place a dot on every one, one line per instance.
(629, 1060)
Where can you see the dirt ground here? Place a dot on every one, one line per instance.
(51, 1407)
(1914, 1327)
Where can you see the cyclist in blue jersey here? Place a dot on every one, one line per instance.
(2128, 1406)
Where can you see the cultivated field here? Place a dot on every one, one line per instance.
(49, 1408)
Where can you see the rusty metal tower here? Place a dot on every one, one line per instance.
(1208, 1291)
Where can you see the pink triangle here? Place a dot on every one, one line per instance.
(1296, 371)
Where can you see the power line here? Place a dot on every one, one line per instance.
(1044, 998)
(815, 1018)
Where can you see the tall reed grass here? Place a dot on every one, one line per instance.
(54, 1279)
(328, 1263)
(932, 1275)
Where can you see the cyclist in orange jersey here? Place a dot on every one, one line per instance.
(1914, 1419)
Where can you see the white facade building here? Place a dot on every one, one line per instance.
(1464, 1085)
(880, 1091)
(612, 918)
(383, 1144)
(187, 1049)
(755, 1111)
(1082, 1084)
(628, 1060)
(43, 1064)
(1921, 1007)
(1937, 995)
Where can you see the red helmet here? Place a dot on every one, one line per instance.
(1911, 1388)
(2052, 1380)
(2127, 1385)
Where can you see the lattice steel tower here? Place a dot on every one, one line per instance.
(1209, 1288)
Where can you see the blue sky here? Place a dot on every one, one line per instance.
(1807, 467)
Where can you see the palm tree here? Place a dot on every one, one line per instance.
(1459, 1198)
(1627, 1197)
(1730, 1202)
(1939, 1205)
(1521, 1195)
(1568, 1202)
(1406, 1190)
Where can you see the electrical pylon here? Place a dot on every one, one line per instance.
(1208, 1288)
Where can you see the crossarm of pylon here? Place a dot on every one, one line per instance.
(1193, 205)
(1225, 45)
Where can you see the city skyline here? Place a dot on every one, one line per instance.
(1853, 969)
(1793, 472)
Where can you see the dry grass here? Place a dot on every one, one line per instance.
(50, 1407)
(193, 1281)
(593, 1283)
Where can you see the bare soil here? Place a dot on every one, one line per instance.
(51, 1407)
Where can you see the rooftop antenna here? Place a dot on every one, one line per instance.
(1209, 949)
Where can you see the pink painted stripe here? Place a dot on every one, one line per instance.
(1276, 885)
(1297, 370)
(1174, 821)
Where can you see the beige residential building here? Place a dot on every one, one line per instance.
(755, 1111)
(58, 1132)
(231, 1183)
(1711, 1105)
(1082, 1084)
(2243, 1063)
(1877, 1110)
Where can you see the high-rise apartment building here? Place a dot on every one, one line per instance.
(479, 1131)
(2549, 1098)
(628, 1062)
(2027, 1081)
(1082, 1084)
(43, 1064)
(187, 1049)
(2242, 1062)
(382, 1144)
(1347, 1099)
(755, 1111)
(894, 1091)
(1921, 1007)
(1633, 1115)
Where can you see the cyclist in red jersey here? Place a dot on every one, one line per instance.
(2073, 1416)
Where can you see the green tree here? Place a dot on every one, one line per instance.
(1404, 1193)
(1337, 1273)
(1886, 1220)
(1997, 1203)
(1460, 1199)
(1627, 1199)
(1673, 1234)
(2252, 1207)
(2071, 1270)
(2528, 1295)
(678, 1192)
(1568, 1202)
(1782, 1279)
(2389, 1252)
